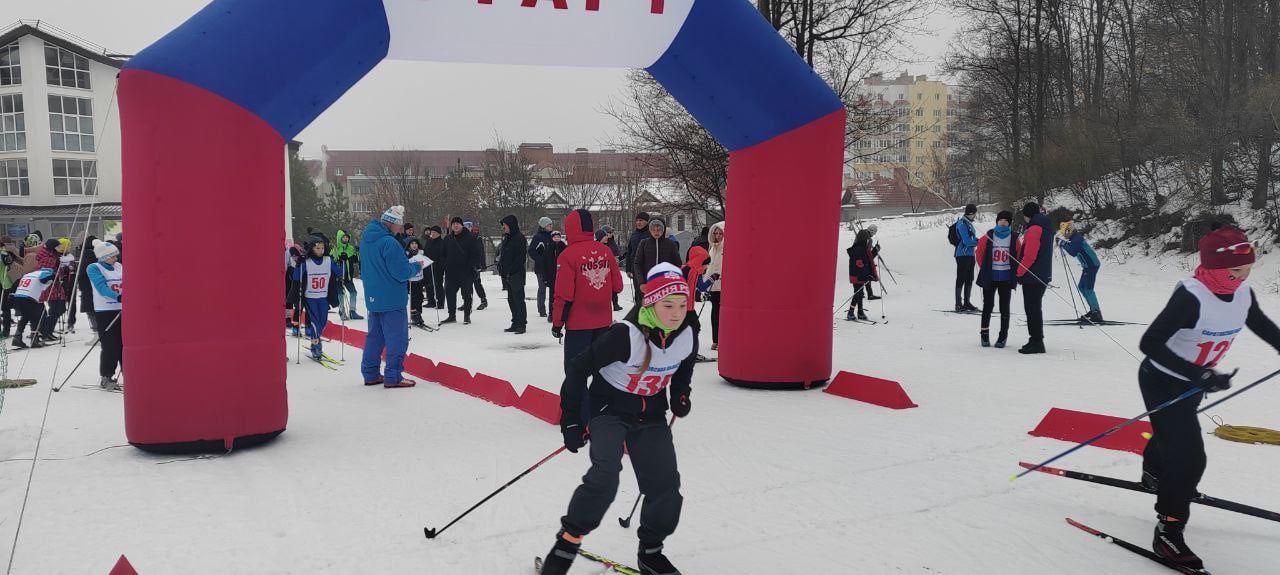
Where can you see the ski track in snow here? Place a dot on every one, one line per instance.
(775, 482)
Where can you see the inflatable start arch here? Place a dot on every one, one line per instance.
(207, 109)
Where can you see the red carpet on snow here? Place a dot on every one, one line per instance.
(871, 390)
(1078, 426)
(539, 403)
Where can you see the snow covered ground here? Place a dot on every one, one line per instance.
(774, 482)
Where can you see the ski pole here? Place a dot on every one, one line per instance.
(626, 523)
(1064, 300)
(886, 268)
(1117, 427)
(1239, 391)
(1066, 265)
(431, 533)
(95, 344)
(883, 293)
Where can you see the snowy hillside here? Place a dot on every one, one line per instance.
(775, 482)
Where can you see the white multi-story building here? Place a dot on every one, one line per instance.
(59, 134)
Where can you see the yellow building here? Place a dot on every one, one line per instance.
(915, 114)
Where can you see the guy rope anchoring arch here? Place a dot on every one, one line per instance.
(206, 112)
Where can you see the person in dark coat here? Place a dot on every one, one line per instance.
(462, 257)
(638, 235)
(511, 254)
(551, 263)
(655, 249)
(862, 272)
(433, 248)
(87, 258)
(702, 241)
(537, 248)
(480, 266)
(1035, 271)
(606, 236)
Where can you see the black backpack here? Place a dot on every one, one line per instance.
(953, 236)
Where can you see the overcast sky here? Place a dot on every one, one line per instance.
(415, 104)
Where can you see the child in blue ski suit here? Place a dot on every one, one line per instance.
(1075, 245)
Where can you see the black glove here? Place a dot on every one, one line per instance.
(1213, 381)
(574, 435)
(680, 404)
(557, 332)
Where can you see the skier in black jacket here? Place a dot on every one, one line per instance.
(537, 247)
(551, 263)
(462, 257)
(511, 254)
(1183, 345)
(634, 367)
(433, 248)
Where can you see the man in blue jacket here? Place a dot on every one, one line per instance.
(386, 271)
(965, 258)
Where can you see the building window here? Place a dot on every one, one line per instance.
(337, 172)
(10, 69)
(919, 96)
(919, 111)
(937, 113)
(75, 177)
(71, 123)
(679, 223)
(13, 124)
(919, 176)
(919, 128)
(76, 230)
(919, 143)
(951, 113)
(937, 96)
(920, 160)
(65, 68)
(359, 171)
(937, 129)
(13, 178)
(900, 96)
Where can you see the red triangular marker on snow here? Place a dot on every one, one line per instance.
(123, 568)
(871, 390)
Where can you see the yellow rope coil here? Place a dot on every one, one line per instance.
(1244, 434)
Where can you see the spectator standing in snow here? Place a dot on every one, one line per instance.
(714, 267)
(587, 279)
(433, 248)
(1035, 271)
(1072, 241)
(964, 258)
(551, 263)
(386, 292)
(875, 255)
(479, 265)
(537, 249)
(106, 281)
(413, 250)
(655, 249)
(702, 241)
(511, 254)
(638, 235)
(462, 256)
(995, 275)
(605, 236)
(88, 258)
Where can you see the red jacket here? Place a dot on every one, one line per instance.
(586, 278)
(693, 270)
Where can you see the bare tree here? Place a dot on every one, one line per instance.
(402, 178)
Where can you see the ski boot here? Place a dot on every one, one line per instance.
(18, 343)
(1001, 340)
(354, 315)
(519, 330)
(316, 352)
(510, 329)
(986, 338)
(850, 315)
(617, 307)
(108, 384)
(36, 341)
(1170, 544)
(295, 332)
(1095, 316)
(484, 303)
(416, 319)
(48, 338)
(862, 315)
(342, 314)
(968, 307)
(448, 320)
(562, 554)
(653, 562)
(466, 316)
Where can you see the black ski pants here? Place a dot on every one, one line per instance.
(1033, 305)
(55, 311)
(86, 304)
(7, 308)
(435, 287)
(112, 342)
(479, 287)
(577, 341)
(451, 287)
(1005, 291)
(29, 312)
(714, 298)
(1175, 453)
(653, 457)
(964, 278)
(515, 299)
(416, 296)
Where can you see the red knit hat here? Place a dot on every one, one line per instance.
(664, 280)
(1226, 247)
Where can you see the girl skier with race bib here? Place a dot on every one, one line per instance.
(317, 274)
(639, 363)
(1183, 345)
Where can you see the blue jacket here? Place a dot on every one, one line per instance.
(386, 270)
(1080, 249)
(99, 281)
(968, 237)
